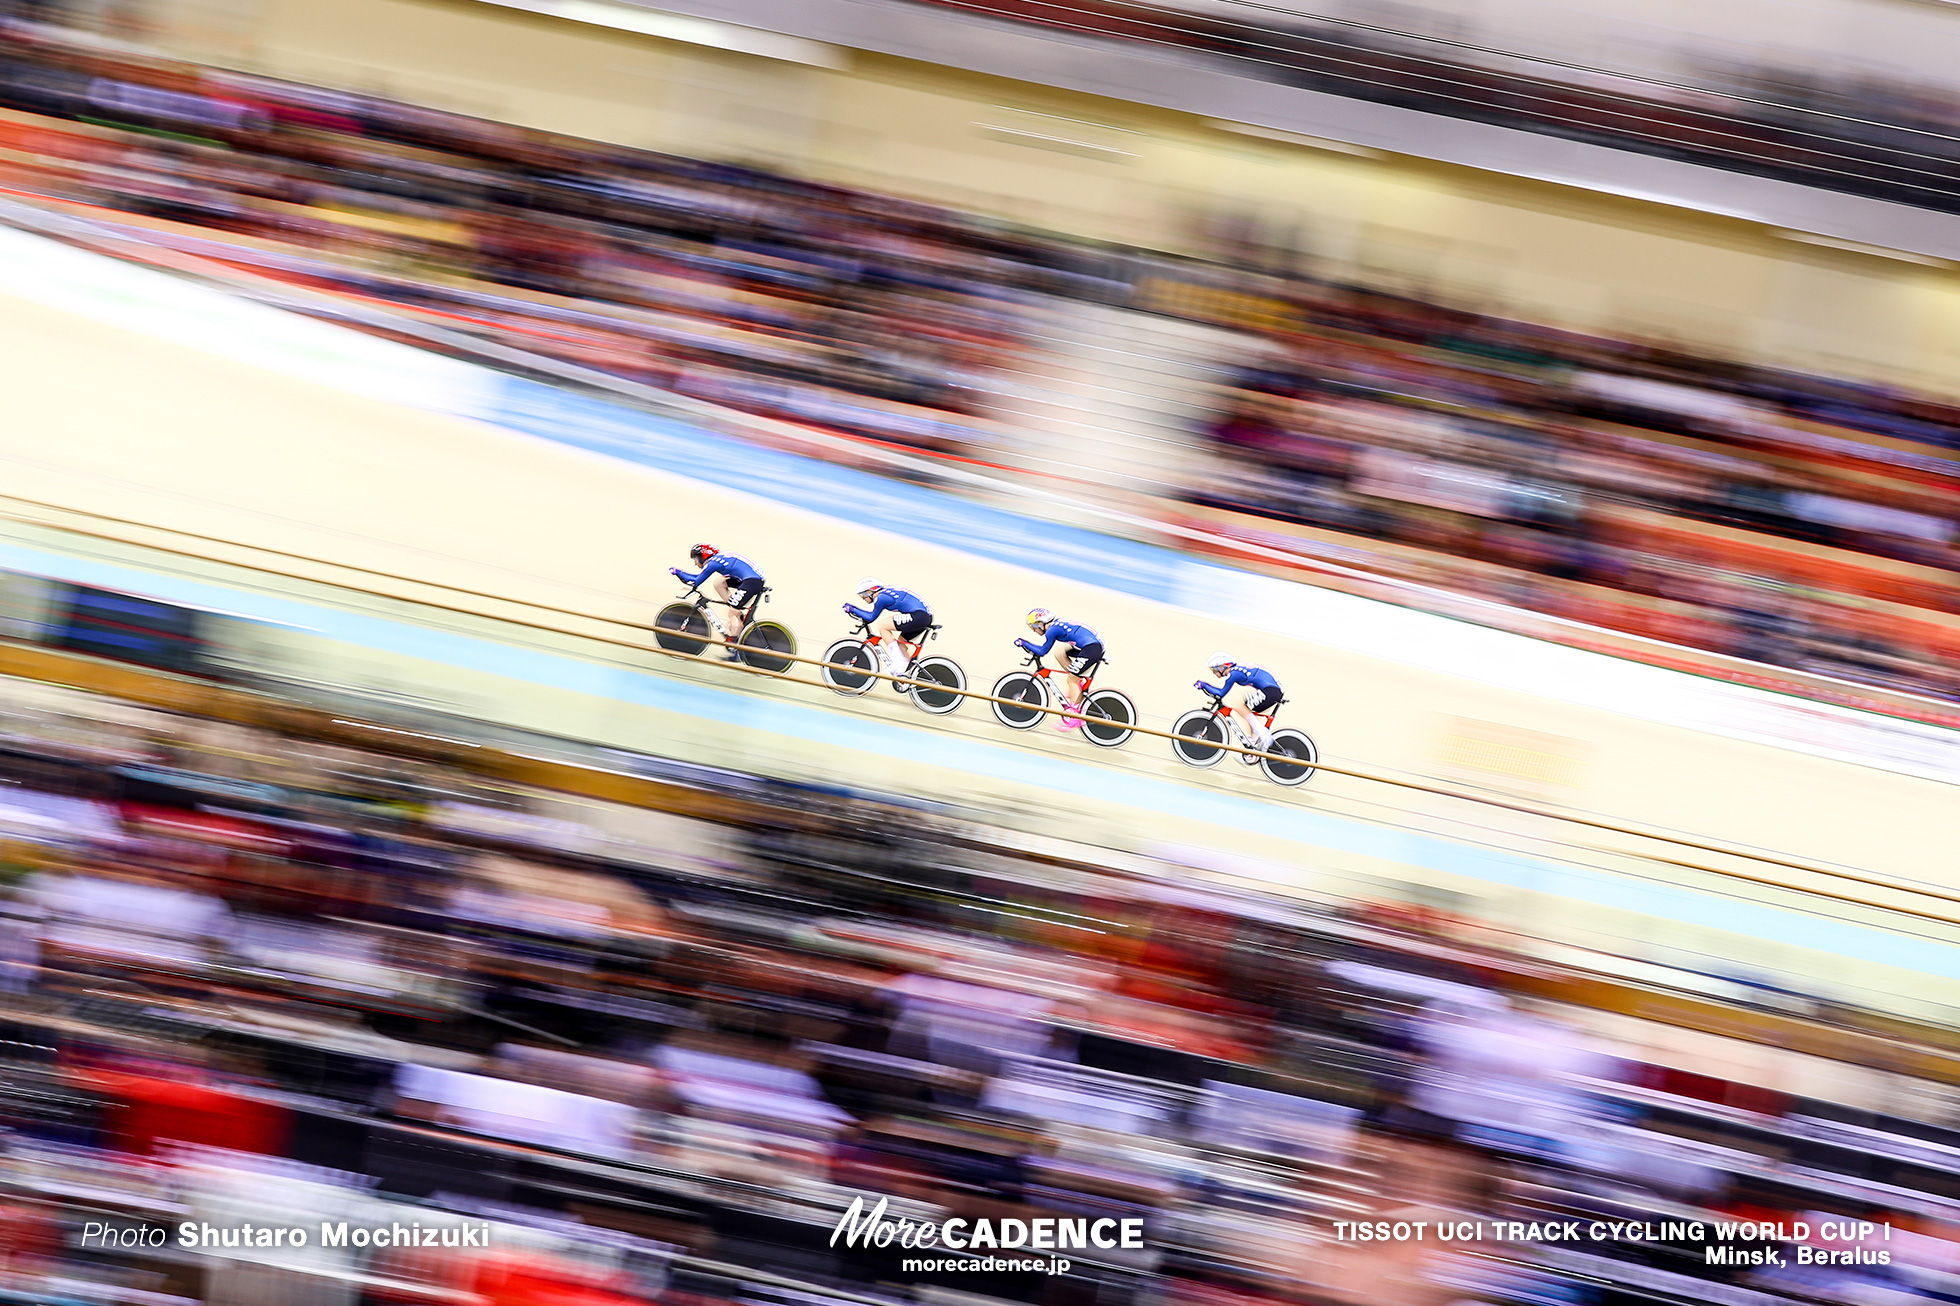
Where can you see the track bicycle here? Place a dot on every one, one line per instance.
(684, 627)
(1203, 736)
(1108, 718)
(852, 666)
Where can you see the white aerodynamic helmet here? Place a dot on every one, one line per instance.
(868, 586)
(1220, 663)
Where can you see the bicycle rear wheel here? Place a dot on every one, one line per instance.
(850, 667)
(1200, 738)
(1300, 752)
(1107, 718)
(680, 628)
(1028, 697)
(768, 645)
(938, 681)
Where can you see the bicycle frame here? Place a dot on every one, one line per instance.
(910, 649)
(1220, 708)
(702, 600)
(1043, 671)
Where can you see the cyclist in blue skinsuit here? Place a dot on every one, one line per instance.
(731, 578)
(1081, 654)
(894, 615)
(1257, 695)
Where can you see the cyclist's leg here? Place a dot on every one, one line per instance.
(1238, 721)
(725, 620)
(885, 629)
(1251, 715)
(1232, 708)
(1071, 688)
(909, 634)
(1083, 663)
(1071, 683)
(744, 600)
(1240, 727)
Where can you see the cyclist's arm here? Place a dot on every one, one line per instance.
(1236, 676)
(878, 607)
(692, 579)
(1046, 644)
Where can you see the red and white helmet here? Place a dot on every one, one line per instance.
(702, 552)
(1220, 663)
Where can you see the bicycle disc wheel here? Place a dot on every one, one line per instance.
(1200, 736)
(850, 666)
(680, 628)
(1107, 717)
(1300, 753)
(767, 645)
(937, 681)
(1028, 694)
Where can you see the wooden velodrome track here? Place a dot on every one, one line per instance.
(173, 457)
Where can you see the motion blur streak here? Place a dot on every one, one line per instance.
(396, 905)
(252, 963)
(1798, 521)
(578, 544)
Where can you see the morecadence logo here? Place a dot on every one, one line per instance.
(873, 1227)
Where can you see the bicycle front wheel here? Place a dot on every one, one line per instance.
(850, 667)
(1027, 697)
(680, 628)
(938, 685)
(1200, 737)
(1107, 718)
(1300, 754)
(768, 645)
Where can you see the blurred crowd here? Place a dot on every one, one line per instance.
(1799, 521)
(1872, 134)
(275, 976)
(775, 296)
(1630, 488)
(1862, 130)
